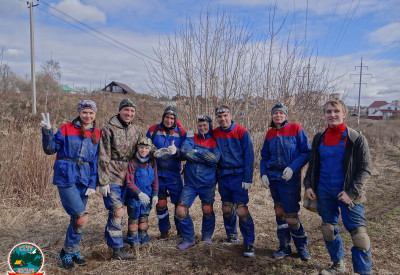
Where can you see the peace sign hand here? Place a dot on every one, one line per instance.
(45, 123)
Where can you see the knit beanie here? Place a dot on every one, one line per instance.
(87, 104)
(280, 107)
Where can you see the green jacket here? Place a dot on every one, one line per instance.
(117, 146)
(356, 165)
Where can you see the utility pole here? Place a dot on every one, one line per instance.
(33, 80)
(359, 88)
(308, 75)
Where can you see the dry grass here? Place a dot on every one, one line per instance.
(31, 210)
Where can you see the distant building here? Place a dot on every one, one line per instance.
(396, 102)
(66, 88)
(382, 110)
(118, 87)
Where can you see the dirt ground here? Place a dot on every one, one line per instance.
(46, 228)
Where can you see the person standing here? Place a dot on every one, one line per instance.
(142, 182)
(168, 137)
(202, 155)
(338, 170)
(234, 176)
(285, 152)
(118, 143)
(75, 172)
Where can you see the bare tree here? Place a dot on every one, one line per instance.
(215, 60)
(52, 68)
(208, 62)
(7, 77)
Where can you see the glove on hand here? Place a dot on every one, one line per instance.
(287, 173)
(104, 190)
(161, 152)
(45, 123)
(144, 199)
(154, 201)
(265, 181)
(172, 148)
(190, 134)
(246, 185)
(90, 192)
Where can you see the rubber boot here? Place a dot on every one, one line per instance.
(120, 254)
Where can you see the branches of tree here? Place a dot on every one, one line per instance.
(218, 59)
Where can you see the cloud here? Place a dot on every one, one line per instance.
(80, 11)
(386, 35)
(14, 52)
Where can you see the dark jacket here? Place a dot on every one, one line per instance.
(356, 165)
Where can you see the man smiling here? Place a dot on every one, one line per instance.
(235, 175)
(118, 142)
(338, 169)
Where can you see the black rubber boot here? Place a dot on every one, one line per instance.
(120, 254)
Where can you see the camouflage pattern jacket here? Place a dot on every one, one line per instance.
(117, 147)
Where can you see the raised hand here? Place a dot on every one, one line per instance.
(172, 148)
(45, 123)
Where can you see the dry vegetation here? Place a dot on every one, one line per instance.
(31, 210)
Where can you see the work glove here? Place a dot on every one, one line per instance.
(246, 185)
(287, 173)
(190, 134)
(161, 152)
(89, 192)
(265, 181)
(45, 123)
(144, 199)
(104, 190)
(154, 201)
(172, 148)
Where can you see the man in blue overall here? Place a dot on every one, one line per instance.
(168, 137)
(338, 170)
(234, 176)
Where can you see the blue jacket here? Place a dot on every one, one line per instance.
(284, 147)
(76, 160)
(237, 155)
(202, 155)
(167, 165)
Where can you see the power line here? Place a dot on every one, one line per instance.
(341, 34)
(93, 29)
(89, 33)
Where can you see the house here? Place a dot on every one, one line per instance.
(382, 110)
(118, 87)
(66, 88)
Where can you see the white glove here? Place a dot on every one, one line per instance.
(172, 148)
(154, 201)
(246, 185)
(45, 123)
(265, 181)
(104, 190)
(89, 192)
(161, 152)
(144, 199)
(190, 134)
(287, 173)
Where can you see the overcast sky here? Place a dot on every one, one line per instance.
(342, 31)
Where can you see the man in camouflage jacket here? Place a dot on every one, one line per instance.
(118, 142)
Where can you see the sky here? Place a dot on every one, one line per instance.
(341, 32)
